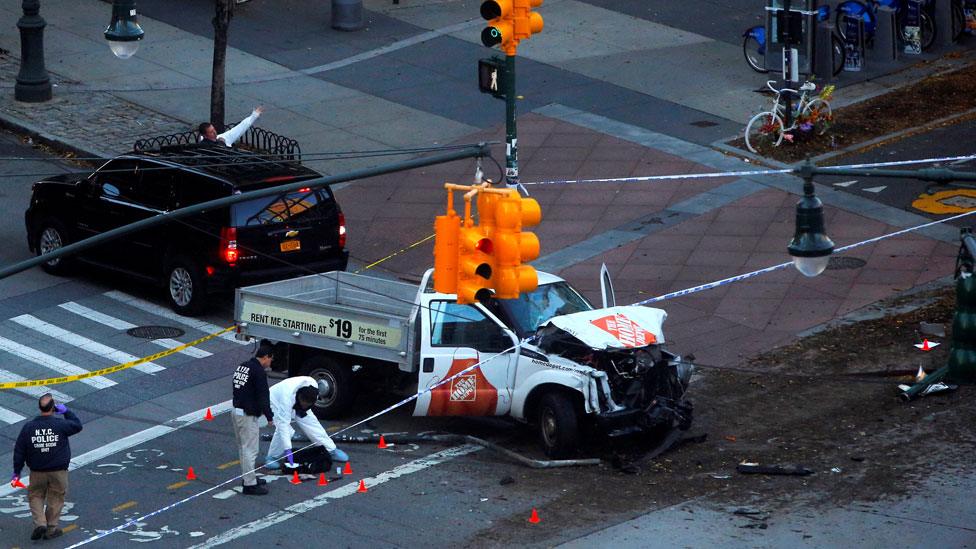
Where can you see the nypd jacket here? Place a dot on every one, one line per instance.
(43, 443)
(251, 390)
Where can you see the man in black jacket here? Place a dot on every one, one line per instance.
(43, 445)
(251, 401)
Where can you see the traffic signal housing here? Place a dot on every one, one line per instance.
(476, 265)
(513, 247)
(508, 22)
(447, 229)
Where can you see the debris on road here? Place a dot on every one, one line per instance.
(932, 328)
(788, 470)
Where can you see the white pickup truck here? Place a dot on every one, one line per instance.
(550, 357)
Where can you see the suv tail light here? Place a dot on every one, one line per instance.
(228, 244)
(342, 230)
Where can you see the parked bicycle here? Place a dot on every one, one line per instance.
(754, 45)
(810, 113)
(868, 14)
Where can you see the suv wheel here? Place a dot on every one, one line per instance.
(340, 389)
(51, 237)
(558, 425)
(185, 287)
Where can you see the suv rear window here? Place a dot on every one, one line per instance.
(299, 205)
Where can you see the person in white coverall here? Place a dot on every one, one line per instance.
(292, 400)
(208, 134)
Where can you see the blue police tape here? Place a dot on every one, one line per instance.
(212, 488)
(745, 173)
(842, 249)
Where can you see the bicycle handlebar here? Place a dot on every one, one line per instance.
(769, 84)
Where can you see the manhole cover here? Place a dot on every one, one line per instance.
(838, 263)
(155, 332)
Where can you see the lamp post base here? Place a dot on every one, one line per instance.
(34, 92)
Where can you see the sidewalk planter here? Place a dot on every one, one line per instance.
(347, 15)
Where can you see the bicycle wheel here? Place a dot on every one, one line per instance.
(764, 130)
(754, 52)
(958, 20)
(854, 8)
(818, 113)
(928, 30)
(839, 53)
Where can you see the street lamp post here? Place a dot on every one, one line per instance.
(123, 32)
(33, 83)
(810, 247)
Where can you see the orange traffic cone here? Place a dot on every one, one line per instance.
(322, 480)
(362, 486)
(295, 479)
(209, 416)
(19, 484)
(925, 345)
(534, 519)
(382, 444)
(348, 469)
(190, 475)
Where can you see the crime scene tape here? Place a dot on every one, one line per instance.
(111, 369)
(394, 254)
(191, 497)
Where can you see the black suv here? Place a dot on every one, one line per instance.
(261, 239)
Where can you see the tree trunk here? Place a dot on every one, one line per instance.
(221, 23)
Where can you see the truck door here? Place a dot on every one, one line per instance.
(454, 337)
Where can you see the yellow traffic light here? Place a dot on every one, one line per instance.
(501, 27)
(475, 265)
(527, 22)
(513, 246)
(446, 230)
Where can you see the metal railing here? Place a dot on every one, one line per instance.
(254, 139)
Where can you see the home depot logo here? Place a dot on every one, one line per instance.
(463, 388)
(625, 330)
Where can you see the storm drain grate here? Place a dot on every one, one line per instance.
(155, 332)
(840, 263)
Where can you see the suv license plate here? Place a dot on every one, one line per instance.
(291, 245)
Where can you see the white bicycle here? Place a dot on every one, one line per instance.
(810, 113)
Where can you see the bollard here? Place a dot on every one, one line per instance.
(347, 15)
(823, 52)
(885, 48)
(943, 23)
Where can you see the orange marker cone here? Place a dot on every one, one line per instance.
(295, 479)
(209, 416)
(534, 519)
(925, 345)
(190, 475)
(19, 484)
(382, 444)
(348, 469)
(322, 480)
(362, 486)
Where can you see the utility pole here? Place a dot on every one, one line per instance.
(789, 60)
(221, 24)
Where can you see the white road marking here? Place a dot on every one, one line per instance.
(845, 183)
(134, 439)
(35, 391)
(54, 363)
(875, 190)
(120, 324)
(10, 417)
(166, 313)
(82, 342)
(298, 509)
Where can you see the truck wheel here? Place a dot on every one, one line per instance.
(558, 425)
(185, 289)
(341, 391)
(51, 237)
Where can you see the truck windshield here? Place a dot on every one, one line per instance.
(529, 310)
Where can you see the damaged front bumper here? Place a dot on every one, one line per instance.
(662, 413)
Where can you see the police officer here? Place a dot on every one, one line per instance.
(251, 401)
(43, 444)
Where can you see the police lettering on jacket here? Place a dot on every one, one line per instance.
(251, 389)
(43, 443)
(44, 439)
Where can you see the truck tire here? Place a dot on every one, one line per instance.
(558, 425)
(339, 378)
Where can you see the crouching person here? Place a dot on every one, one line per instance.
(292, 401)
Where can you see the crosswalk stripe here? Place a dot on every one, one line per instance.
(54, 363)
(82, 342)
(10, 417)
(166, 313)
(120, 324)
(36, 391)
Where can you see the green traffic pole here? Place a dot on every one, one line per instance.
(511, 139)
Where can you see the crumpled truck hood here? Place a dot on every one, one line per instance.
(627, 327)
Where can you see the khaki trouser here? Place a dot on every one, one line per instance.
(49, 487)
(246, 431)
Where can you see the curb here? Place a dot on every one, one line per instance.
(40, 136)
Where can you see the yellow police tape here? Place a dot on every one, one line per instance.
(111, 369)
(394, 254)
